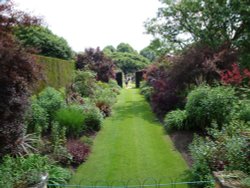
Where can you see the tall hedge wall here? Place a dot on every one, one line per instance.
(57, 72)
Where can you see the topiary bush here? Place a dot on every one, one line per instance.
(92, 122)
(57, 73)
(175, 120)
(73, 119)
(146, 90)
(118, 77)
(205, 104)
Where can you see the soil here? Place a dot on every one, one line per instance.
(181, 140)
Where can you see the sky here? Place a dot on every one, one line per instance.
(93, 23)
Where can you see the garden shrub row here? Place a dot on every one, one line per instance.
(63, 121)
(204, 105)
(43, 134)
(218, 111)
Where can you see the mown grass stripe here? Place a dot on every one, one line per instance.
(131, 146)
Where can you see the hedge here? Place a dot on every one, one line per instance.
(119, 79)
(138, 78)
(57, 73)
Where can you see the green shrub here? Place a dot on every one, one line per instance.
(50, 100)
(175, 120)
(244, 113)
(93, 115)
(73, 119)
(22, 171)
(205, 104)
(104, 98)
(146, 90)
(58, 175)
(246, 181)
(202, 152)
(105, 93)
(38, 120)
(85, 83)
(225, 149)
(87, 140)
(92, 122)
(58, 135)
(237, 153)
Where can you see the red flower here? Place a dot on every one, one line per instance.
(235, 76)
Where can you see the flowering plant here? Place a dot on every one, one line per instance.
(235, 76)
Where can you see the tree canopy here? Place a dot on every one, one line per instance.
(124, 47)
(109, 49)
(214, 22)
(148, 53)
(126, 58)
(129, 62)
(44, 41)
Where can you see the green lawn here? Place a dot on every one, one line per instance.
(131, 146)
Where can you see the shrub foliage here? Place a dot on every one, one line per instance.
(206, 104)
(171, 77)
(175, 120)
(72, 119)
(225, 149)
(78, 150)
(95, 60)
(17, 70)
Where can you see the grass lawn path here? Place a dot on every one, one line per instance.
(131, 145)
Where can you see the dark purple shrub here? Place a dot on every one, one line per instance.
(172, 77)
(78, 150)
(95, 60)
(17, 72)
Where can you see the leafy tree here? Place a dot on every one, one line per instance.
(109, 49)
(148, 53)
(126, 58)
(124, 47)
(95, 60)
(214, 22)
(129, 62)
(43, 40)
(17, 70)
